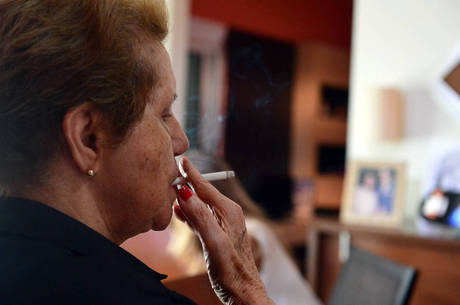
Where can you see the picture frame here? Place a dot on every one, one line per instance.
(445, 87)
(373, 193)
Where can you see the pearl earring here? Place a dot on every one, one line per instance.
(91, 173)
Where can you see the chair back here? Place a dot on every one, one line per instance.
(367, 279)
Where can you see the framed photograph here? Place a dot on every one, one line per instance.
(373, 193)
(446, 85)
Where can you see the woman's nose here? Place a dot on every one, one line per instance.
(179, 140)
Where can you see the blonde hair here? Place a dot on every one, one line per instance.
(55, 55)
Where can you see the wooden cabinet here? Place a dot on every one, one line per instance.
(436, 260)
(317, 67)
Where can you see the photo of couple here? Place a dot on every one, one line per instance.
(374, 192)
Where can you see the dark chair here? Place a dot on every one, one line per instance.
(367, 279)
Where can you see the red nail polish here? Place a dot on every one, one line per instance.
(185, 192)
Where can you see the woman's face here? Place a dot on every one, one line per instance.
(369, 181)
(138, 174)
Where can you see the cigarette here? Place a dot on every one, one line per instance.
(209, 176)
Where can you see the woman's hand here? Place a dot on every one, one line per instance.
(219, 223)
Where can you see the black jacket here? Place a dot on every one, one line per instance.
(47, 257)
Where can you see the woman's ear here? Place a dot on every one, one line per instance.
(83, 132)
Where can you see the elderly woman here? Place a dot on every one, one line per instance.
(87, 159)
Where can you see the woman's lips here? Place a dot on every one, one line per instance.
(178, 175)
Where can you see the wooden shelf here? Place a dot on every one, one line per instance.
(330, 131)
(313, 130)
(328, 193)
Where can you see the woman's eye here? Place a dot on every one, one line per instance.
(166, 116)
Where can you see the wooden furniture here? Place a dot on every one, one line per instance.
(318, 66)
(436, 260)
(366, 279)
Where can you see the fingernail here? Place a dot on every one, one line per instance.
(185, 192)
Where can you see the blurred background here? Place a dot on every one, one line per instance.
(290, 91)
(265, 85)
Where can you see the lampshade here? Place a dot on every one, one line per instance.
(390, 114)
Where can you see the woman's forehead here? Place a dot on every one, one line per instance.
(165, 83)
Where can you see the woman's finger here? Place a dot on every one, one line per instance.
(204, 189)
(199, 216)
(178, 212)
(229, 214)
(222, 231)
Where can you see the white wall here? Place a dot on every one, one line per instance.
(177, 44)
(403, 44)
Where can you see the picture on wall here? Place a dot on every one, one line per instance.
(446, 85)
(373, 193)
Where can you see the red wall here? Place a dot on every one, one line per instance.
(298, 21)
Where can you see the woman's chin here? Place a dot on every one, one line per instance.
(163, 223)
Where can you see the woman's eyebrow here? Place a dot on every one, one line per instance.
(170, 102)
